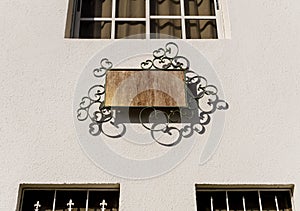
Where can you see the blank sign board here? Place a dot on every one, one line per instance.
(142, 88)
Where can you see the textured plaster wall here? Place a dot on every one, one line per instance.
(258, 68)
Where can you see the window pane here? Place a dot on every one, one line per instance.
(163, 28)
(199, 7)
(95, 29)
(125, 29)
(165, 7)
(269, 202)
(284, 201)
(63, 198)
(218, 199)
(31, 197)
(235, 200)
(251, 200)
(96, 8)
(201, 29)
(111, 199)
(130, 9)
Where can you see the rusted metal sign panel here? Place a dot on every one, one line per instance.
(140, 88)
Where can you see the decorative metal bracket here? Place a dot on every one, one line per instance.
(195, 117)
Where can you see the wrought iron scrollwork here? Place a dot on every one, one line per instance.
(92, 107)
(202, 99)
(166, 58)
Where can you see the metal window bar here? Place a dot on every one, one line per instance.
(276, 203)
(87, 200)
(244, 203)
(54, 201)
(244, 200)
(259, 201)
(227, 201)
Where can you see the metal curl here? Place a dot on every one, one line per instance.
(167, 131)
(95, 97)
(95, 92)
(144, 123)
(82, 114)
(105, 65)
(166, 58)
(117, 126)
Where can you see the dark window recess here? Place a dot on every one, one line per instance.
(241, 200)
(61, 199)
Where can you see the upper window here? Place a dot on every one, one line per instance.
(236, 198)
(150, 19)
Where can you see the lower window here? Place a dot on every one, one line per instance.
(69, 197)
(244, 198)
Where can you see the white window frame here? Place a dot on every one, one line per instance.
(221, 17)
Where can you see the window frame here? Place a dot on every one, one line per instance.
(65, 187)
(220, 9)
(245, 188)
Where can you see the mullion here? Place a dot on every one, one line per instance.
(113, 22)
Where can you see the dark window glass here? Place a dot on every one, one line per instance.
(129, 28)
(96, 8)
(199, 7)
(201, 29)
(130, 9)
(251, 200)
(269, 198)
(31, 197)
(111, 199)
(165, 7)
(206, 200)
(248, 200)
(63, 198)
(235, 200)
(95, 29)
(163, 28)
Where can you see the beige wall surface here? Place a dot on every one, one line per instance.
(258, 68)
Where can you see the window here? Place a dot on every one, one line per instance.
(244, 198)
(62, 197)
(154, 19)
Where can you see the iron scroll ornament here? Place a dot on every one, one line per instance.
(198, 89)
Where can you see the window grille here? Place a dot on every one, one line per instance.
(150, 19)
(75, 198)
(243, 199)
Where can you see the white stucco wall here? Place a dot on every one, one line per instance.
(258, 68)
